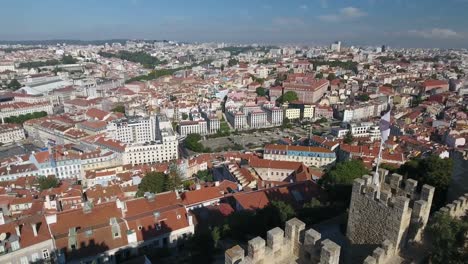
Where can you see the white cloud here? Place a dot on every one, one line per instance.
(303, 7)
(344, 14)
(288, 21)
(436, 33)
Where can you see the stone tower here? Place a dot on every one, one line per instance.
(396, 214)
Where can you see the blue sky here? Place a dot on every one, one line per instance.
(404, 23)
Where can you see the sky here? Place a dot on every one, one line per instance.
(397, 23)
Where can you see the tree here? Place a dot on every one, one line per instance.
(284, 210)
(23, 118)
(288, 96)
(363, 97)
(154, 182)
(331, 76)
(345, 172)
(174, 178)
(47, 182)
(68, 59)
(119, 109)
(14, 85)
(232, 62)
(216, 235)
(184, 116)
(260, 91)
(205, 175)
(192, 142)
(433, 171)
(319, 75)
(348, 137)
(201, 247)
(448, 239)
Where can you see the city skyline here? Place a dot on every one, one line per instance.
(314, 22)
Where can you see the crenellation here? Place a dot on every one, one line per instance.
(358, 185)
(330, 253)
(395, 181)
(275, 239)
(393, 216)
(410, 187)
(385, 197)
(277, 249)
(234, 255)
(457, 208)
(381, 255)
(427, 193)
(256, 250)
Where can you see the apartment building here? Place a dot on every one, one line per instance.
(310, 156)
(193, 127)
(10, 133)
(237, 119)
(133, 129)
(22, 108)
(275, 115)
(257, 119)
(308, 89)
(364, 129)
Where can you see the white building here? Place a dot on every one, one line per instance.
(257, 119)
(275, 115)
(237, 119)
(193, 127)
(133, 129)
(310, 156)
(10, 133)
(163, 148)
(293, 113)
(363, 111)
(364, 129)
(22, 108)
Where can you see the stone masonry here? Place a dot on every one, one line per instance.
(389, 215)
(294, 245)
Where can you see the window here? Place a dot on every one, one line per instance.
(45, 253)
(34, 257)
(140, 227)
(24, 260)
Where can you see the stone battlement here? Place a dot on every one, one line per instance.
(294, 245)
(386, 212)
(382, 254)
(457, 208)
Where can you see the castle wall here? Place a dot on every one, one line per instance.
(386, 212)
(294, 245)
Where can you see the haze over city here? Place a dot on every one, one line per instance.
(234, 132)
(416, 23)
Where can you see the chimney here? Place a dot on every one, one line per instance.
(197, 187)
(190, 219)
(34, 228)
(216, 183)
(18, 230)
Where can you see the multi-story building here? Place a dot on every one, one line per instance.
(364, 129)
(363, 111)
(310, 156)
(163, 148)
(133, 129)
(257, 119)
(237, 119)
(10, 133)
(292, 113)
(322, 111)
(213, 124)
(193, 127)
(308, 89)
(275, 115)
(306, 110)
(22, 108)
